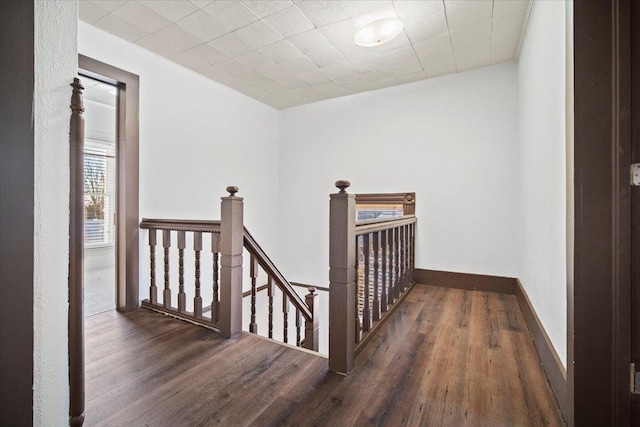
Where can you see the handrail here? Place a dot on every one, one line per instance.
(181, 225)
(380, 224)
(213, 226)
(271, 269)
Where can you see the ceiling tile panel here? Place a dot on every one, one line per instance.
(121, 28)
(360, 7)
(258, 34)
(339, 32)
(281, 50)
(322, 13)
(90, 12)
(471, 34)
(234, 67)
(231, 44)
(289, 22)
(190, 61)
(291, 82)
(411, 10)
(202, 3)
(508, 24)
(208, 53)
(141, 16)
(506, 7)
(438, 60)
(441, 43)
(410, 67)
(256, 59)
(230, 15)
(397, 56)
(314, 77)
(325, 57)
(343, 69)
(377, 75)
(463, 13)
(178, 36)
(202, 26)
(173, 10)
(427, 28)
(309, 41)
(158, 45)
(264, 8)
(109, 5)
(413, 77)
(440, 71)
(299, 64)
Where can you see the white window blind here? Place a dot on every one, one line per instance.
(99, 193)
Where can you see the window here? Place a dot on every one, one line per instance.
(378, 211)
(99, 185)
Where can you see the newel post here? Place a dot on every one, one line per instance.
(311, 328)
(231, 246)
(342, 277)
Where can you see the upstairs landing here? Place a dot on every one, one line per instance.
(446, 357)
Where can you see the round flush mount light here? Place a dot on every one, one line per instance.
(378, 32)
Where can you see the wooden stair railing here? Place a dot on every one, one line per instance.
(228, 238)
(371, 271)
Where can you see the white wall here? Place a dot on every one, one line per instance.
(55, 68)
(196, 138)
(542, 165)
(451, 139)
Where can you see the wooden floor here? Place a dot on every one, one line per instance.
(447, 357)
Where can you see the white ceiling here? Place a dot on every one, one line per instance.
(292, 52)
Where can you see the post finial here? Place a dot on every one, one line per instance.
(232, 189)
(312, 289)
(343, 184)
(77, 106)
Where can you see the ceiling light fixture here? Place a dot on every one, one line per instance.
(378, 32)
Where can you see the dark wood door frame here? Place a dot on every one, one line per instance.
(127, 177)
(600, 308)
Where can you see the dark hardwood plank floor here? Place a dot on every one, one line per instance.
(447, 357)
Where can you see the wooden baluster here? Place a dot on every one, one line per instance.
(166, 244)
(396, 248)
(384, 299)
(182, 297)
(253, 326)
(366, 310)
(405, 282)
(376, 276)
(358, 327)
(285, 313)
(215, 303)
(412, 242)
(298, 325)
(197, 300)
(312, 327)
(401, 261)
(271, 290)
(153, 289)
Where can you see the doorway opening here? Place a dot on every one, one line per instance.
(100, 196)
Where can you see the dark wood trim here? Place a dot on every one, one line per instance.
(303, 285)
(205, 226)
(127, 240)
(76, 257)
(551, 363)
(602, 270)
(17, 216)
(466, 281)
(407, 200)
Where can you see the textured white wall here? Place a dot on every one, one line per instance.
(196, 138)
(542, 164)
(450, 139)
(55, 67)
